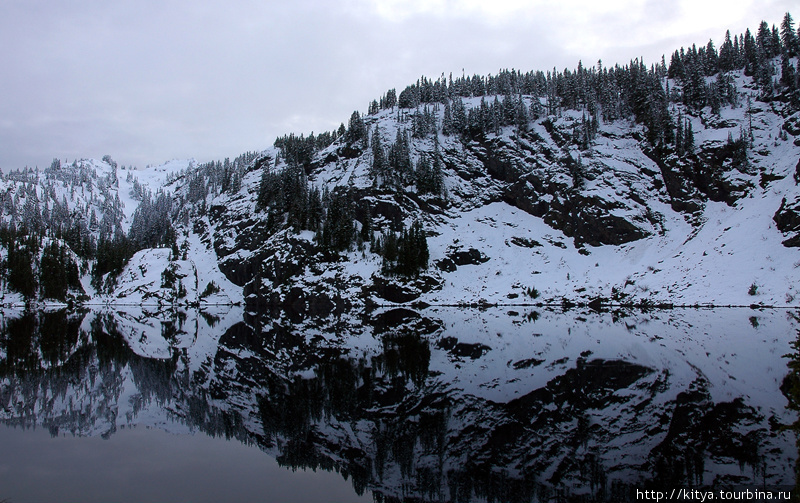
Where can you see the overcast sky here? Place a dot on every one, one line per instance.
(147, 81)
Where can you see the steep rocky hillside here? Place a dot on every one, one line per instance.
(535, 214)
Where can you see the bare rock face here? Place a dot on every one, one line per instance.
(585, 218)
(787, 218)
(713, 171)
(471, 256)
(797, 172)
(792, 124)
(567, 194)
(402, 290)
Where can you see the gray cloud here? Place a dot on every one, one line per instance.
(147, 81)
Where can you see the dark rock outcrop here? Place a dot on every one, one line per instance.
(787, 218)
(471, 256)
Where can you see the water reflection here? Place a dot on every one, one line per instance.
(791, 389)
(439, 404)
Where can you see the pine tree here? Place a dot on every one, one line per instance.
(789, 39)
(679, 145)
(676, 70)
(423, 175)
(356, 131)
(380, 165)
(788, 73)
(688, 141)
(459, 116)
(437, 170)
(315, 209)
(750, 54)
(520, 115)
(53, 273)
(401, 168)
(366, 225)
(447, 120)
(791, 47)
(776, 42)
(727, 56)
(390, 251)
(764, 39)
(711, 62)
(20, 269)
(763, 76)
(420, 245)
(338, 230)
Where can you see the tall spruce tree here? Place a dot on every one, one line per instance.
(380, 165)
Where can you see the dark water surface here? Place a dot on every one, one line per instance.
(148, 464)
(439, 404)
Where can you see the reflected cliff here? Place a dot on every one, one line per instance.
(439, 404)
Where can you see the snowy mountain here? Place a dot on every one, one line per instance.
(531, 215)
(669, 185)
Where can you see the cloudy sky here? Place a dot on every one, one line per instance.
(147, 81)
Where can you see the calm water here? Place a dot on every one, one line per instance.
(440, 404)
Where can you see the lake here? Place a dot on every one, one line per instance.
(395, 404)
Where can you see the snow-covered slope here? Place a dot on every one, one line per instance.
(514, 225)
(77, 205)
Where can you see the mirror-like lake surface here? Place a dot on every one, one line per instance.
(437, 404)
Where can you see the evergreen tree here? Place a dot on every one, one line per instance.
(764, 39)
(789, 40)
(437, 170)
(676, 70)
(380, 165)
(520, 115)
(151, 226)
(764, 73)
(423, 174)
(711, 59)
(338, 230)
(430, 175)
(776, 42)
(679, 136)
(447, 120)
(391, 99)
(688, 141)
(419, 254)
(373, 108)
(20, 268)
(459, 125)
(111, 256)
(357, 131)
(406, 254)
(727, 55)
(54, 269)
(401, 168)
(315, 209)
(788, 73)
(366, 225)
(790, 48)
(31, 213)
(750, 54)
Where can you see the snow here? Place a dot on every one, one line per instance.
(152, 178)
(142, 280)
